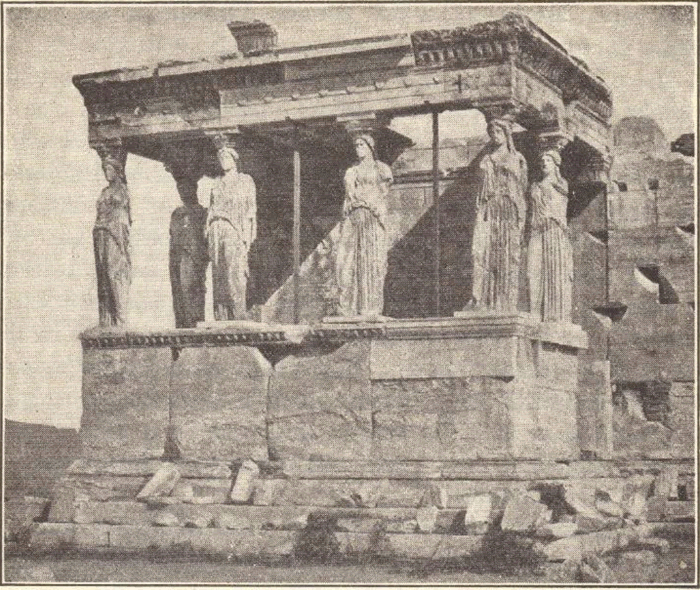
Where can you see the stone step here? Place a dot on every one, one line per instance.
(148, 467)
(246, 517)
(445, 470)
(52, 537)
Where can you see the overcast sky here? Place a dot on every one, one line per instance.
(52, 179)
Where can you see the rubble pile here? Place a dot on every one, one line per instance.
(407, 510)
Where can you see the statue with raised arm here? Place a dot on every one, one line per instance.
(500, 220)
(550, 266)
(361, 263)
(111, 242)
(231, 229)
(188, 255)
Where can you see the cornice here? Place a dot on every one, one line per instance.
(468, 325)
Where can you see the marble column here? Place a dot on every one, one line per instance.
(362, 252)
(188, 245)
(231, 228)
(500, 220)
(550, 267)
(111, 238)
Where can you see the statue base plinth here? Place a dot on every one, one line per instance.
(476, 386)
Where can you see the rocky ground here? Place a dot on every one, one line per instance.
(672, 563)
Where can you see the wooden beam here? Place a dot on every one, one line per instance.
(296, 235)
(436, 204)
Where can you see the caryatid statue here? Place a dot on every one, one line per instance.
(188, 252)
(231, 229)
(500, 220)
(361, 263)
(111, 240)
(550, 266)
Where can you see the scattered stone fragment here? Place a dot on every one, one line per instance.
(242, 490)
(523, 514)
(441, 498)
(165, 519)
(592, 525)
(426, 518)
(161, 484)
(660, 545)
(594, 570)
(199, 522)
(265, 491)
(560, 530)
(478, 509)
(580, 546)
(581, 500)
(536, 495)
(232, 522)
(183, 491)
(636, 506)
(610, 491)
(645, 557)
(609, 508)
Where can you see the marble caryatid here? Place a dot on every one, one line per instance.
(231, 229)
(361, 262)
(550, 266)
(188, 255)
(500, 220)
(111, 241)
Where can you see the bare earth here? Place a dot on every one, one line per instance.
(676, 567)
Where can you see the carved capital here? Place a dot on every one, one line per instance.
(553, 140)
(359, 123)
(112, 153)
(183, 161)
(225, 138)
(597, 169)
(506, 111)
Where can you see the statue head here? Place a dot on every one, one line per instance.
(228, 158)
(187, 189)
(365, 146)
(501, 133)
(113, 168)
(551, 162)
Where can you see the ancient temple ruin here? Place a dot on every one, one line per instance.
(430, 406)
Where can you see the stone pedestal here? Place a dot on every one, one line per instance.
(476, 386)
(470, 387)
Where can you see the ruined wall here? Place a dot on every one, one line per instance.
(651, 249)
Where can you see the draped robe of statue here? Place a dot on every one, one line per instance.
(231, 229)
(188, 263)
(112, 252)
(498, 230)
(550, 257)
(362, 247)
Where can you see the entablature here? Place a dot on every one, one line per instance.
(509, 64)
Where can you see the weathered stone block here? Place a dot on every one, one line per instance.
(125, 402)
(161, 484)
(523, 514)
(219, 403)
(442, 358)
(445, 419)
(244, 486)
(544, 422)
(100, 487)
(320, 405)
